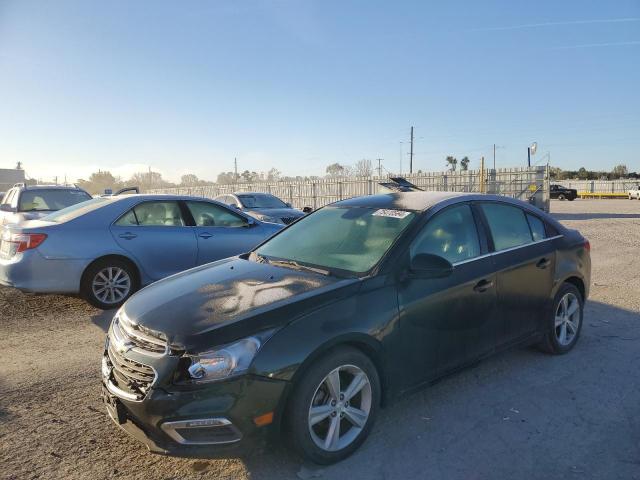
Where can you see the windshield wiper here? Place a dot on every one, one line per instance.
(297, 266)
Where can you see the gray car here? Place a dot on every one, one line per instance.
(263, 206)
(30, 202)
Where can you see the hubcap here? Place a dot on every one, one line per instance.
(111, 285)
(567, 320)
(340, 408)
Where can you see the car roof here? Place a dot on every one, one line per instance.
(421, 201)
(156, 196)
(49, 187)
(253, 193)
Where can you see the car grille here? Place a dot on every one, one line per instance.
(132, 378)
(137, 338)
(288, 220)
(124, 376)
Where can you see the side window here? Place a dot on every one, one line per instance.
(8, 197)
(451, 234)
(537, 228)
(128, 218)
(208, 214)
(508, 225)
(156, 214)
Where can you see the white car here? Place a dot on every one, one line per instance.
(634, 193)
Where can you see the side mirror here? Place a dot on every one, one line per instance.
(250, 222)
(5, 207)
(307, 210)
(235, 205)
(426, 265)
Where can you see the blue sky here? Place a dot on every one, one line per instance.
(297, 85)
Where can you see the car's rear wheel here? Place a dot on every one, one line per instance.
(334, 406)
(564, 325)
(108, 283)
(561, 196)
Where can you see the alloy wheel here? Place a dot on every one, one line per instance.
(567, 319)
(111, 285)
(340, 408)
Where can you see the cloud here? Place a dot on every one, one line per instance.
(596, 45)
(558, 24)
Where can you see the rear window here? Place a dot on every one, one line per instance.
(76, 210)
(43, 200)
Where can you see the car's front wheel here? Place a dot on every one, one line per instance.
(108, 283)
(334, 405)
(563, 327)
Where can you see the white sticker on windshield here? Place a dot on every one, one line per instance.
(390, 213)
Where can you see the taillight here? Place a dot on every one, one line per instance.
(27, 241)
(587, 245)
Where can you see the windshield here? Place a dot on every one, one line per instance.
(350, 239)
(76, 210)
(43, 200)
(261, 201)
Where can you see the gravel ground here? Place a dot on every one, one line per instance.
(519, 415)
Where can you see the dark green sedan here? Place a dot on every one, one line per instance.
(337, 315)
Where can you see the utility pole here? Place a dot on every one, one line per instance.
(529, 156)
(494, 156)
(235, 170)
(379, 168)
(411, 153)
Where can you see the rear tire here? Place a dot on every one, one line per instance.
(564, 323)
(561, 196)
(108, 283)
(322, 403)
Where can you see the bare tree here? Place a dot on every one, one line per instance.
(335, 170)
(363, 168)
(620, 171)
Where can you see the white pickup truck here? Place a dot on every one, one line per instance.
(634, 193)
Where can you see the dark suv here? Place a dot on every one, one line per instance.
(30, 202)
(559, 192)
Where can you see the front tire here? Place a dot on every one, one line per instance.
(334, 406)
(108, 283)
(564, 324)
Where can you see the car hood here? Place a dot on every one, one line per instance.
(275, 212)
(226, 300)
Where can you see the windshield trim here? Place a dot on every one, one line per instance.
(342, 272)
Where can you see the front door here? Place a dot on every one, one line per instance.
(450, 321)
(524, 260)
(220, 232)
(155, 235)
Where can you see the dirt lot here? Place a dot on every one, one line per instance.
(519, 415)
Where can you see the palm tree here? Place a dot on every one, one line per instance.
(464, 163)
(452, 162)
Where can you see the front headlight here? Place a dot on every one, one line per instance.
(226, 361)
(268, 219)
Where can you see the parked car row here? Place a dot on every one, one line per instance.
(310, 333)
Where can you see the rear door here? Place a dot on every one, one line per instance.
(447, 322)
(221, 232)
(156, 236)
(524, 260)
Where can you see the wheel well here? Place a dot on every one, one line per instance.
(365, 348)
(578, 283)
(122, 258)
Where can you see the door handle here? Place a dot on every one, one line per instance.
(483, 286)
(543, 263)
(205, 235)
(128, 235)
